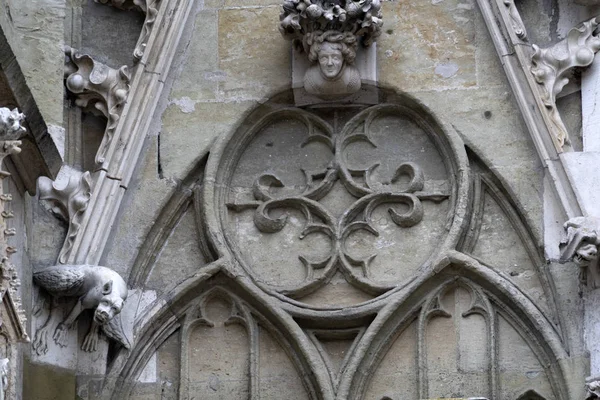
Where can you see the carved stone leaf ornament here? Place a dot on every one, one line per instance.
(552, 66)
(70, 203)
(299, 18)
(99, 89)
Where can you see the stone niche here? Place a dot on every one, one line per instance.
(360, 253)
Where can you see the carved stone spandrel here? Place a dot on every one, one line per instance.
(330, 33)
(99, 89)
(552, 66)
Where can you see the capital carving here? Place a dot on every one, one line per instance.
(96, 288)
(329, 33)
(69, 203)
(148, 7)
(552, 66)
(580, 245)
(97, 88)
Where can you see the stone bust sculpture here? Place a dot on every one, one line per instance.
(329, 33)
(333, 73)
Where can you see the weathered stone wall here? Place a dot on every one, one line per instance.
(220, 331)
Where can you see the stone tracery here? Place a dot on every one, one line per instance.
(373, 186)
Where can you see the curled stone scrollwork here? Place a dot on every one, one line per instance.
(402, 194)
(329, 32)
(69, 203)
(552, 66)
(97, 88)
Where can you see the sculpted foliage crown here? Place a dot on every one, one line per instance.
(300, 19)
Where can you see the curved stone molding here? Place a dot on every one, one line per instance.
(329, 32)
(551, 67)
(580, 244)
(127, 144)
(95, 288)
(148, 7)
(480, 308)
(515, 59)
(70, 203)
(247, 309)
(97, 88)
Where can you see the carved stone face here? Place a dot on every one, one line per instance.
(586, 253)
(108, 307)
(331, 60)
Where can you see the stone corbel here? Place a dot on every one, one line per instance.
(580, 244)
(329, 33)
(69, 203)
(99, 89)
(552, 67)
(95, 288)
(148, 7)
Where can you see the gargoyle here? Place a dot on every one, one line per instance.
(98, 288)
(10, 124)
(581, 245)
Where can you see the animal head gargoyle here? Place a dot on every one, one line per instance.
(96, 288)
(580, 244)
(111, 301)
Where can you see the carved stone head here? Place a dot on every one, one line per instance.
(329, 31)
(332, 50)
(332, 73)
(110, 304)
(580, 244)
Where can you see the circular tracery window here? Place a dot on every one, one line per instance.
(337, 206)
